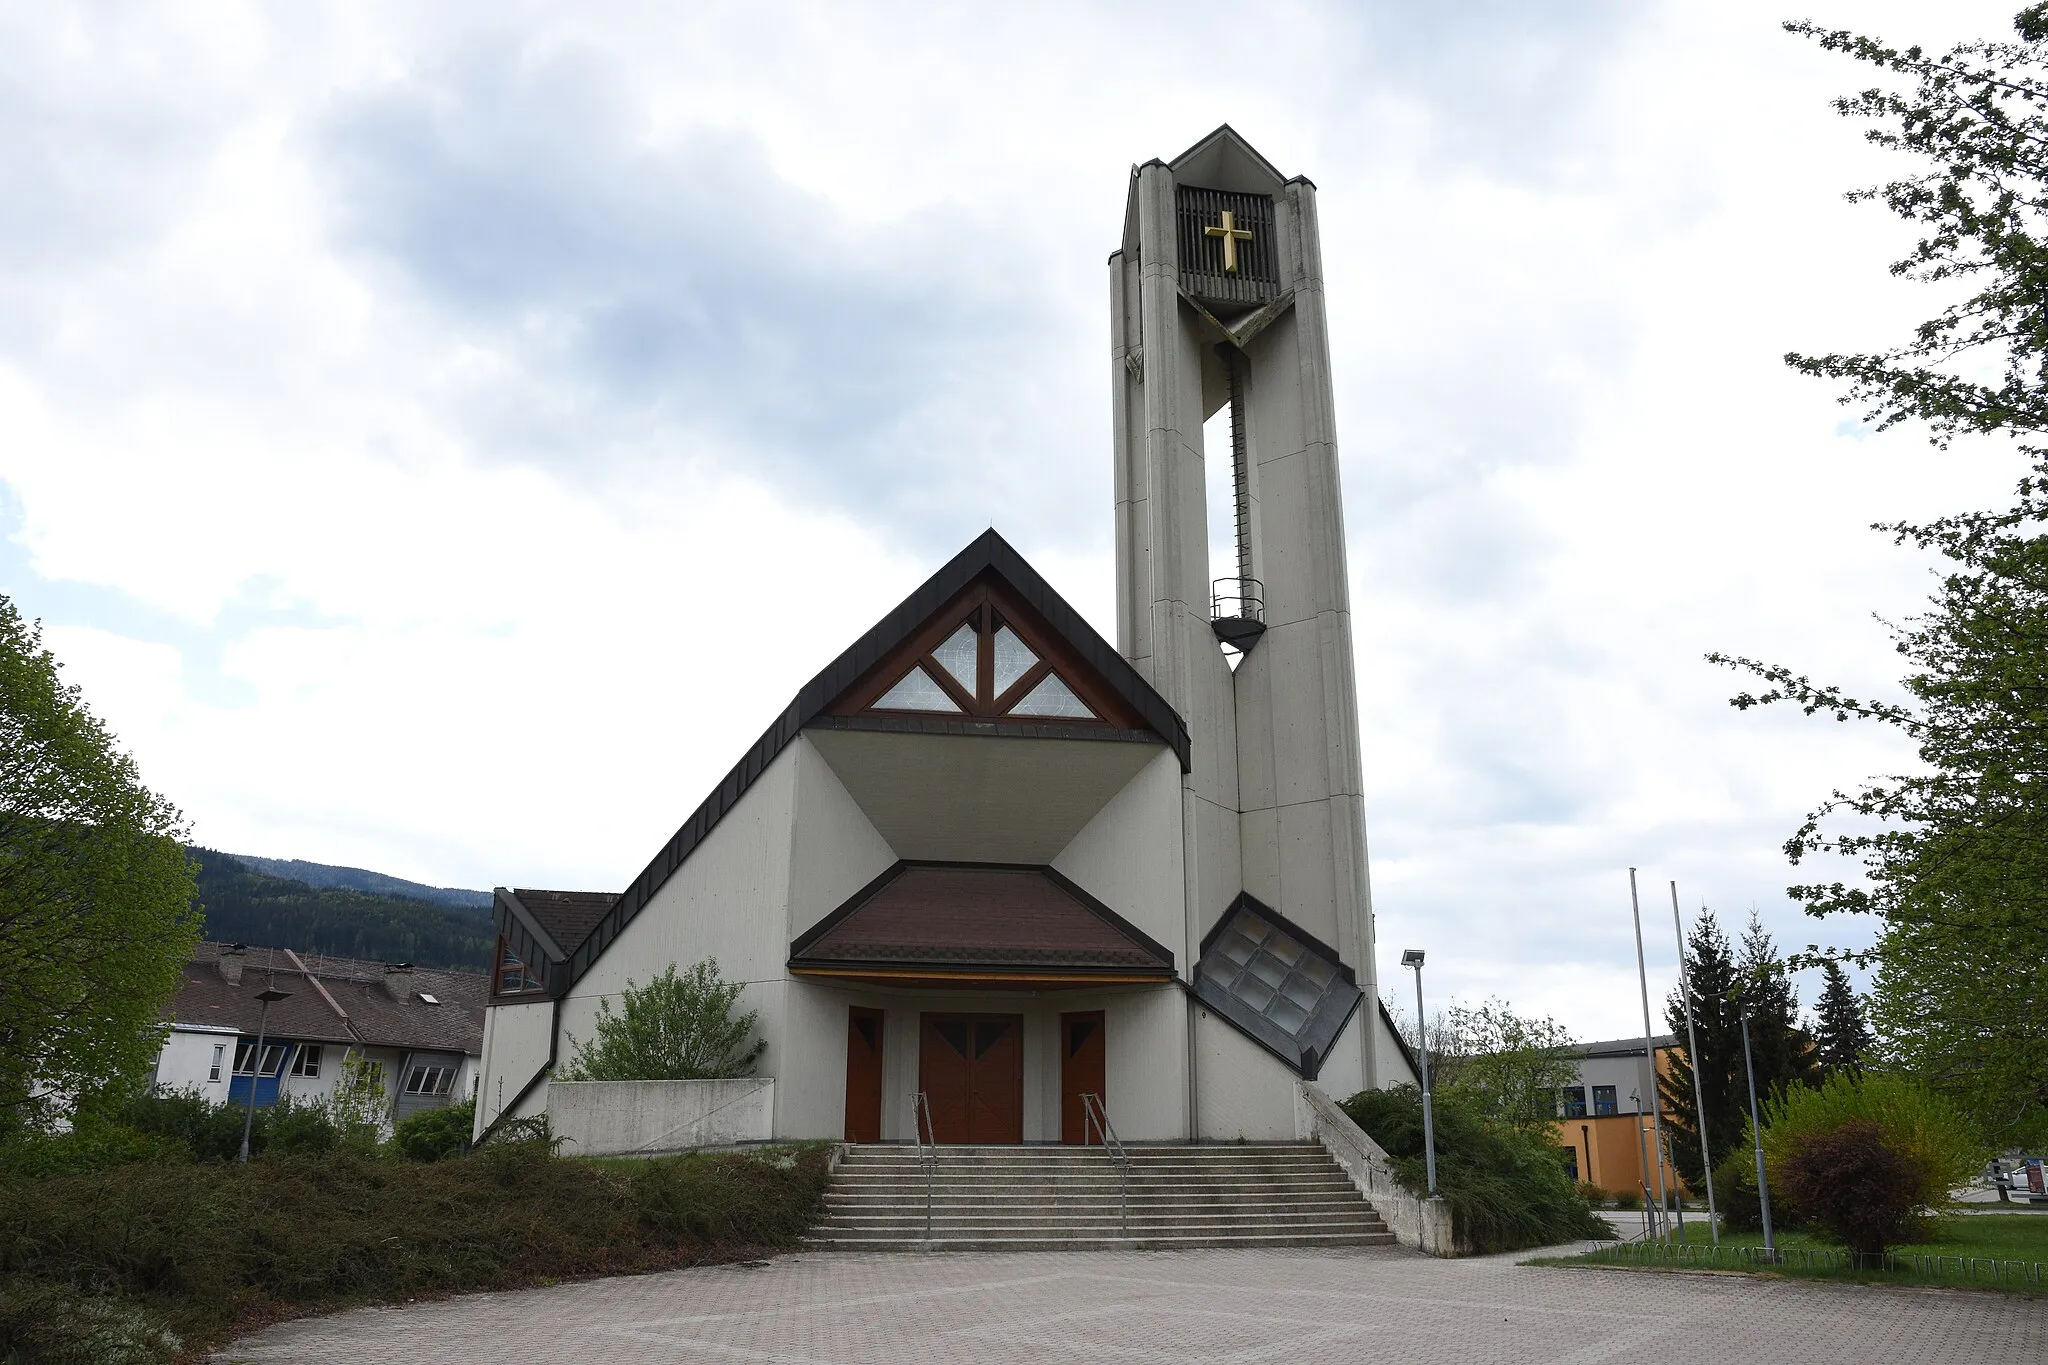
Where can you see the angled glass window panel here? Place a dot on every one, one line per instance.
(1013, 660)
(1284, 948)
(917, 692)
(1236, 948)
(1052, 698)
(1318, 972)
(960, 656)
(1269, 969)
(1287, 1014)
(1302, 991)
(1253, 992)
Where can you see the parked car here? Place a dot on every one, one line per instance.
(2021, 1177)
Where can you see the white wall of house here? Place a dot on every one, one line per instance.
(1244, 1091)
(835, 849)
(188, 1060)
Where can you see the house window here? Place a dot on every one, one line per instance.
(1571, 1161)
(307, 1063)
(1603, 1102)
(430, 1080)
(273, 1058)
(220, 1051)
(1572, 1102)
(514, 976)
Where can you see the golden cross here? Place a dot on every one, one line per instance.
(1231, 234)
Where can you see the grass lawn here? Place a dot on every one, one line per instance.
(1999, 1237)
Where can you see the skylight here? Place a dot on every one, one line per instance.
(428, 998)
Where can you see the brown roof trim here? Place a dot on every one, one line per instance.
(988, 551)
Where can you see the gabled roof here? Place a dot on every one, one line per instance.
(332, 999)
(988, 554)
(977, 921)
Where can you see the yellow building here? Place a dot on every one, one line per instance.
(1604, 1118)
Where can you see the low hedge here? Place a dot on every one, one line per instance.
(1507, 1188)
(170, 1252)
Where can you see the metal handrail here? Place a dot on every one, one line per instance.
(921, 1128)
(1237, 599)
(1095, 1118)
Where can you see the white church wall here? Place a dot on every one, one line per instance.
(1343, 1071)
(810, 1099)
(1242, 1089)
(1394, 1068)
(836, 849)
(1147, 1071)
(728, 901)
(1129, 856)
(515, 1047)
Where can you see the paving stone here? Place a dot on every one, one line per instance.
(1173, 1308)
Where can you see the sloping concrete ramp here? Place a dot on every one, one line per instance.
(884, 1197)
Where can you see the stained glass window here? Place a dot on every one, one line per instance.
(961, 656)
(1275, 986)
(1052, 698)
(1014, 659)
(917, 692)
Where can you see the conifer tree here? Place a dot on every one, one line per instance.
(1710, 976)
(1784, 1054)
(1839, 1029)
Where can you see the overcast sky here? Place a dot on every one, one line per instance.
(439, 438)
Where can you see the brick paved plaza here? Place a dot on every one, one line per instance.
(1291, 1307)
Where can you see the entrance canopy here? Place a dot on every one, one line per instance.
(978, 925)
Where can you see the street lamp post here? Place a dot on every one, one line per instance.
(1756, 1128)
(1413, 958)
(264, 997)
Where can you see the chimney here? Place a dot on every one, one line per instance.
(398, 980)
(230, 964)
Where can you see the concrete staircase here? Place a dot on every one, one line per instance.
(1072, 1199)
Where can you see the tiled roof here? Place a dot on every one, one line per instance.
(567, 915)
(1621, 1047)
(952, 917)
(383, 1008)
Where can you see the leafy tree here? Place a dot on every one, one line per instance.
(359, 1103)
(1839, 1029)
(1954, 855)
(1505, 1067)
(1711, 977)
(675, 1028)
(95, 895)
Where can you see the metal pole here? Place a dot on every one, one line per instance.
(1649, 1049)
(1428, 1118)
(1692, 1053)
(255, 1074)
(1756, 1128)
(1643, 1166)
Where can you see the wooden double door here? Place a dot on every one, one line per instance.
(971, 1069)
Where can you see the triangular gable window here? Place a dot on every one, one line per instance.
(985, 657)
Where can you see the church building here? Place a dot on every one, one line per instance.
(989, 858)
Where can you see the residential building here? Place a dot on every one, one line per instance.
(421, 1031)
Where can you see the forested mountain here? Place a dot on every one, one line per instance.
(361, 879)
(243, 904)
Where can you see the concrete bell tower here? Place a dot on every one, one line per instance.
(1217, 300)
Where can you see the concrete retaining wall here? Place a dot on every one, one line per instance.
(1424, 1224)
(639, 1118)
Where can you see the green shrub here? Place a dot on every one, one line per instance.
(54, 1324)
(1628, 1199)
(1507, 1187)
(675, 1028)
(1592, 1194)
(1852, 1182)
(1922, 1127)
(88, 1148)
(205, 1248)
(213, 1132)
(435, 1133)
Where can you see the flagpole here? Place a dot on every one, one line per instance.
(1649, 1049)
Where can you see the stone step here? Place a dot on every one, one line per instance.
(1104, 1225)
(1091, 1243)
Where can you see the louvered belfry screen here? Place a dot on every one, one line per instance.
(1257, 277)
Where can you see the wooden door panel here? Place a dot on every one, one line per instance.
(1083, 1067)
(863, 1075)
(971, 1068)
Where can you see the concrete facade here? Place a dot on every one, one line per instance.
(644, 1118)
